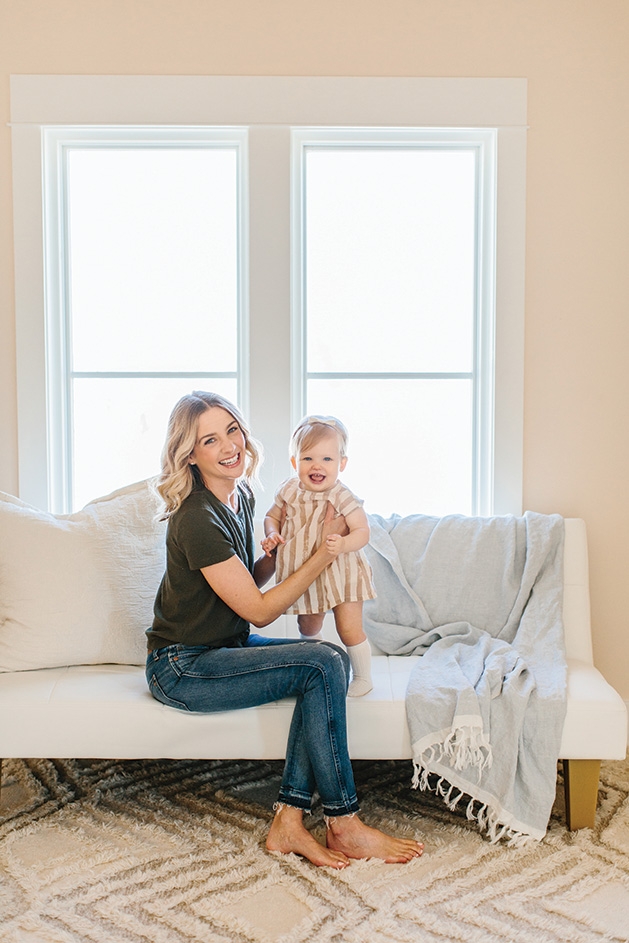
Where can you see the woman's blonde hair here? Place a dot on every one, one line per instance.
(178, 477)
(313, 428)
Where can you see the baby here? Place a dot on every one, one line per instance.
(293, 525)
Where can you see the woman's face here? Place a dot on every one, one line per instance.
(219, 452)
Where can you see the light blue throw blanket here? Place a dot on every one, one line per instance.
(481, 600)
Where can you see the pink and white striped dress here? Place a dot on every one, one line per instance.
(348, 577)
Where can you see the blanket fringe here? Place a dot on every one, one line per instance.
(487, 819)
(465, 747)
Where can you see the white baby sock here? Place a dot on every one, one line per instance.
(360, 660)
(311, 638)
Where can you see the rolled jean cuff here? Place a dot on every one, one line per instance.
(305, 804)
(333, 812)
(295, 800)
(278, 806)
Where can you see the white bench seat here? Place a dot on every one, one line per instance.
(107, 711)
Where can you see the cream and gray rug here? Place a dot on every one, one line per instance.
(173, 852)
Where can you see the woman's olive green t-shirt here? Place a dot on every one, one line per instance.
(203, 531)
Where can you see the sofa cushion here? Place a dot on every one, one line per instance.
(107, 711)
(78, 589)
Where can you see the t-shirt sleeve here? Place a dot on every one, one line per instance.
(203, 539)
(347, 502)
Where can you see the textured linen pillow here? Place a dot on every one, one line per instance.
(78, 589)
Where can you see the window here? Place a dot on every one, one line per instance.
(145, 277)
(390, 339)
(396, 309)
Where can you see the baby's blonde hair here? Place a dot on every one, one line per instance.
(313, 428)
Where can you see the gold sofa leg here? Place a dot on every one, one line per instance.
(581, 789)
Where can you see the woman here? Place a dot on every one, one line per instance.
(202, 655)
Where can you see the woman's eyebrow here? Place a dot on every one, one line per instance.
(208, 435)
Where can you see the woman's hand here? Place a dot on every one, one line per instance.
(334, 531)
(352, 535)
(235, 585)
(333, 526)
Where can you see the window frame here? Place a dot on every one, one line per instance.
(269, 107)
(483, 142)
(57, 142)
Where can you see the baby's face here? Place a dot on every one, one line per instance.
(318, 467)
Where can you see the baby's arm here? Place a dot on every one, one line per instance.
(272, 525)
(357, 538)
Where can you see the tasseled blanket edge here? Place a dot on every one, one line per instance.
(464, 747)
(487, 819)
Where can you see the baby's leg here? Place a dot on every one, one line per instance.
(310, 626)
(349, 625)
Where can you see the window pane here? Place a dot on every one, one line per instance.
(390, 259)
(120, 428)
(153, 258)
(410, 442)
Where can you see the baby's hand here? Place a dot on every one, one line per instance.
(334, 544)
(270, 543)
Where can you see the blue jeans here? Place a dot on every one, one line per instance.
(209, 680)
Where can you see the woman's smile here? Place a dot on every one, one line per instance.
(232, 461)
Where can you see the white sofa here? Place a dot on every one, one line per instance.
(76, 594)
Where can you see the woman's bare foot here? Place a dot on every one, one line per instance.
(348, 835)
(288, 834)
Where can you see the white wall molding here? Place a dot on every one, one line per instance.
(293, 100)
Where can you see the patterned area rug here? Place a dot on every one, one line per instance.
(173, 852)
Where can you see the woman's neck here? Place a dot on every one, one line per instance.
(226, 492)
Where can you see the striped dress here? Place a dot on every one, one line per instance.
(348, 577)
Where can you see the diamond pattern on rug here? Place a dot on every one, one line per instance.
(605, 909)
(163, 851)
(271, 911)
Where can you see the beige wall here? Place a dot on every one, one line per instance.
(574, 55)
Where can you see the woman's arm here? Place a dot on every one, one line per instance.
(264, 568)
(357, 538)
(233, 582)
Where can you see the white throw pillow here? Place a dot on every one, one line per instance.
(78, 589)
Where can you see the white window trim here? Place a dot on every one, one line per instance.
(56, 143)
(483, 142)
(271, 105)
